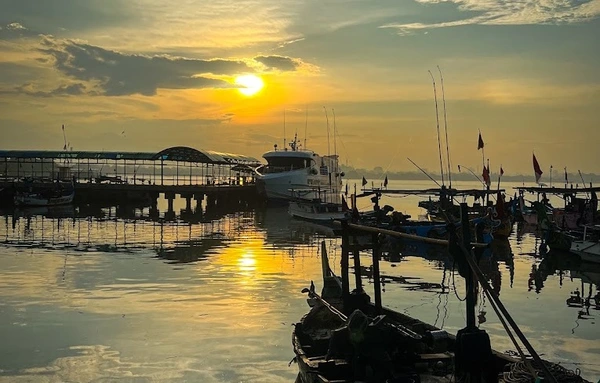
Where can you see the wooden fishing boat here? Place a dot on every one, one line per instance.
(345, 338)
(588, 248)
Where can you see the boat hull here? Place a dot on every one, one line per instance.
(588, 251)
(283, 186)
(35, 201)
(316, 212)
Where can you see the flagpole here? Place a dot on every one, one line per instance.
(482, 152)
(487, 186)
(499, 175)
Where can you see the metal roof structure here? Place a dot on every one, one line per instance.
(176, 154)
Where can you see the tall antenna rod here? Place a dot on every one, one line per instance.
(334, 141)
(284, 146)
(437, 119)
(305, 126)
(327, 119)
(446, 127)
(64, 138)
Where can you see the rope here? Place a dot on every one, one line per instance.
(519, 373)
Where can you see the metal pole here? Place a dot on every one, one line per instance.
(162, 171)
(376, 274)
(469, 280)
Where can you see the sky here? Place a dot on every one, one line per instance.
(137, 75)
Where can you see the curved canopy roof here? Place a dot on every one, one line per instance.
(176, 153)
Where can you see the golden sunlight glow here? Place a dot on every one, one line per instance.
(249, 84)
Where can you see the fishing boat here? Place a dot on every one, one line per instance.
(318, 210)
(588, 248)
(300, 170)
(345, 338)
(53, 194)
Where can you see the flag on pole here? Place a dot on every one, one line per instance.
(566, 176)
(459, 168)
(536, 168)
(480, 142)
(501, 171)
(385, 182)
(364, 181)
(486, 176)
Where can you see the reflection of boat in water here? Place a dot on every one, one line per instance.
(282, 230)
(190, 251)
(61, 211)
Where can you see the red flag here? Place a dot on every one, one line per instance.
(501, 171)
(536, 168)
(486, 176)
(480, 142)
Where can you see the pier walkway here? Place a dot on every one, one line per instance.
(133, 177)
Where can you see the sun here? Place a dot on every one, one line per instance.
(249, 84)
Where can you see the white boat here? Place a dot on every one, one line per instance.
(588, 248)
(318, 211)
(294, 172)
(53, 195)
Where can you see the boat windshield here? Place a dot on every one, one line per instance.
(285, 164)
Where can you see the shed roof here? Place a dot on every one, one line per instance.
(176, 153)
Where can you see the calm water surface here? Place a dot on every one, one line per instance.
(111, 294)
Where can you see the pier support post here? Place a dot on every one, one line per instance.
(170, 198)
(199, 198)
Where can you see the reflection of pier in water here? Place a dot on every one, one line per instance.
(186, 237)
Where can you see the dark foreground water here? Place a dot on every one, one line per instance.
(111, 295)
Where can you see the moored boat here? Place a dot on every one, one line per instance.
(318, 211)
(345, 338)
(53, 194)
(297, 169)
(588, 248)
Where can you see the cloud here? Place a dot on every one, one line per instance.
(56, 15)
(282, 63)
(63, 90)
(14, 30)
(118, 74)
(510, 12)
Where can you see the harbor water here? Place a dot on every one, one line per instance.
(112, 294)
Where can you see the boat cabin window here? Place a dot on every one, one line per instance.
(284, 164)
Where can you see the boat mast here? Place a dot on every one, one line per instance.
(305, 126)
(446, 128)
(334, 140)
(284, 146)
(327, 119)
(437, 119)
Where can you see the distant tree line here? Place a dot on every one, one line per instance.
(377, 173)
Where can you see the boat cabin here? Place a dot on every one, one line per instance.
(285, 161)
